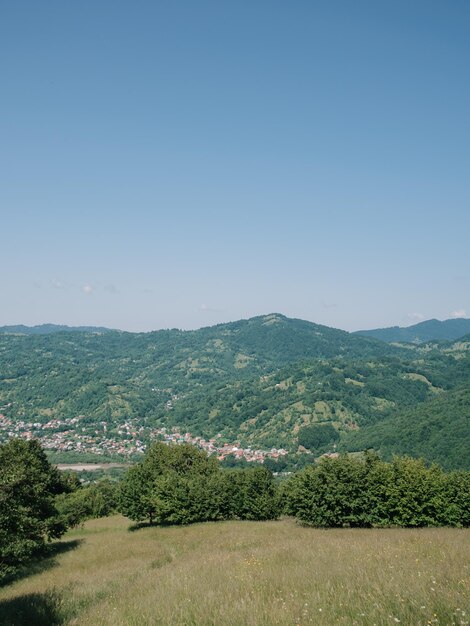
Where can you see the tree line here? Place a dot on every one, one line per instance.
(182, 485)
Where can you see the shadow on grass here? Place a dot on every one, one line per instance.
(140, 525)
(34, 609)
(41, 562)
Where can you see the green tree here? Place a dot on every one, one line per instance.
(135, 494)
(182, 485)
(141, 495)
(254, 494)
(317, 436)
(335, 492)
(369, 492)
(457, 489)
(416, 495)
(28, 515)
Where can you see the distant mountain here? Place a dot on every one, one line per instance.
(116, 374)
(48, 329)
(277, 340)
(430, 330)
(260, 381)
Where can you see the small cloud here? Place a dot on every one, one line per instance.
(458, 313)
(110, 288)
(416, 317)
(57, 284)
(88, 289)
(329, 305)
(209, 309)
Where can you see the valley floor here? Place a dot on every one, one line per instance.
(245, 573)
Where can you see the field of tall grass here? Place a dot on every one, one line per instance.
(253, 573)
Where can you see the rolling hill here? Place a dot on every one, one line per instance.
(259, 381)
(117, 374)
(47, 329)
(273, 409)
(437, 430)
(430, 330)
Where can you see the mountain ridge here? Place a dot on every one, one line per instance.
(428, 330)
(48, 329)
(260, 381)
(422, 332)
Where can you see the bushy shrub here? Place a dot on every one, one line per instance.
(414, 495)
(457, 497)
(88, 502)
(182, 485)
(335, 492)
(350, 491)
(141, 494)
(253, 493)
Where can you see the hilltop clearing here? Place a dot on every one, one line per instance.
(250, 573)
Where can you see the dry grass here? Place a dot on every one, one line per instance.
(254, 573)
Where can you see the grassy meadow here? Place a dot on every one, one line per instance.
(253, 573)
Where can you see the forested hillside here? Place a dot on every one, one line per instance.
(437, 430)
(350, 393)
(265, 382)
(120, 374)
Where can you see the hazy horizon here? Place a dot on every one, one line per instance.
(208, 325)
(186, 164)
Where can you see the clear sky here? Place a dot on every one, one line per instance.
(181, 163)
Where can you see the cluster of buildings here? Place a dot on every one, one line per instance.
(69, 435)
(124, 439)
(222, 450)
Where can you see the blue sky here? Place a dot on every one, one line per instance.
(179, 164)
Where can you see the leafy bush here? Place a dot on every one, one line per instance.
(181, 485)
(348, 491)
(138, 497)
(88, 502)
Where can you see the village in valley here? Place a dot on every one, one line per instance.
(126, 439)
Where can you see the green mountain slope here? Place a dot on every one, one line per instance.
(272, 409)
(259, 381)
(430, 330)
(118, 374)
(438, 430)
